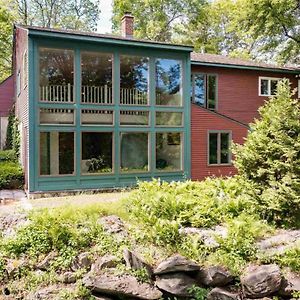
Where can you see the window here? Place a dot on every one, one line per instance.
(219, 147)
(56, 153)
(134, 152)
(18, 83)
(268, 86)
(204, 90)
(168, 151)
(96, 152)
(24, 69)
(96, 78)
(168, 82)
(133, 80)
(134, 118)
(97, 117)
(56, 116)
(168, 118)
(56, 75)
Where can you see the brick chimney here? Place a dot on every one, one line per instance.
(127, 25)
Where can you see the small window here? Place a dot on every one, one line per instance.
(24, 71)
(19, 83)
(268, 86)
(204, 90)
(219, 148)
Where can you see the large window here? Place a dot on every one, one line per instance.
(204, 90)
(56, 75)
(96, 152)
(268, 86)
(219, 148)
(134, 152)
(133, 80)
(168, 82)
(56, 153)
(168, 151)
(96, 78)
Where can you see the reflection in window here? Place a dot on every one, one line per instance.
(56, 75)
(56, 153)
(168, 82)
(168, 151)
(134, 118)
(96, 78)
(219, 148)
(213, 148)
(133, 80)
(96, 117)
(96, 152)
(204, 90)
(134, 152)
(56, 116)
(268, 86)
(169, 118)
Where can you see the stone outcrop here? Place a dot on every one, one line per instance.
(106, 261)
(214, 276)
(223, 294)
(290, 284)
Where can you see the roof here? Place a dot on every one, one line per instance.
(68, 33)
(229, 62)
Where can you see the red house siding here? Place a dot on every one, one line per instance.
(204, 120)
(238, 90)
(6, 96)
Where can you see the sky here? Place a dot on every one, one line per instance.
(104, 24)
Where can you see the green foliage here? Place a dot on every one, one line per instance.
(13, 134)
(198, 293)
(270, 158)
(7, 155)
(11, 175)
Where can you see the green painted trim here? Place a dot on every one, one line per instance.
(276, 70)
(107, 40)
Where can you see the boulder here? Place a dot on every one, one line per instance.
(223, 294)
(68, 277)
(134, 262)
(112, 224)
(176, 263)
(121, 286)
(290, 284)
(177, 284)
(46, 262)
(83, 260)
(214, 276)
(261, 281)
(106, 261)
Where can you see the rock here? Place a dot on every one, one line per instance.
(214, 276)
(134, 262)
(83, 260)
(46, 262)
(112, 224)
(290, 284)
(278, 243)
(106, 261)
(176, 263)
(176, 284)
(222, 294)
(261, 281)
(11, 222)
(208, 236)
(102, 298)
(68, 277)
(13, 267)
(121, 286)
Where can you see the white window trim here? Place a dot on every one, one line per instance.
(269, 87)
(219, 148)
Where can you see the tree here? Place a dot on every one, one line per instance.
(270, 157)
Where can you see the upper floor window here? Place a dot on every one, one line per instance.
(168, 82)
(268, 86)
(24, 69)
(56, 82)
(18, 83)
(219, 147)
(204, 90)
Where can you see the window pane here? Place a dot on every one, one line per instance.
(134, 118)
(96, 152)
(199, 89)
(264, 87)
(56, 75)
(134, 152)
(168, 82)
(274, 86)
(95, 116)
(213, 148)
(56, 153)
(168, 151)
(133, 80)
(169, 118)
(225, 148)
(56, 116)
(96, 78)
(211, 91)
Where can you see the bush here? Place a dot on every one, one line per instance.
(270, 158)
(11, 175)
(7, 155)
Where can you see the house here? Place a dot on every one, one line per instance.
(100, 111)
(6, 104)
